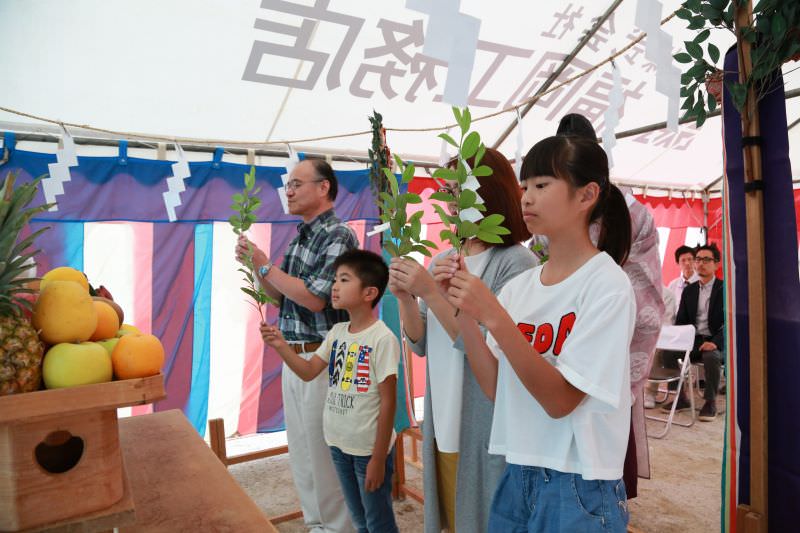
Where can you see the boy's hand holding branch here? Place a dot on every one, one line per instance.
(305, 369)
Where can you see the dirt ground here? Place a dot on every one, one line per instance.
(682, 496)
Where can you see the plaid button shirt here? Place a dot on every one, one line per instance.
(310, 257)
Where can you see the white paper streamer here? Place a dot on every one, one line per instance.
(66, 157)
(471, 183)
(380, 228)
(290, 164)
(470, 214)
(444, 157)
(175, 186)
(611, 116)
(520, 147)
(450, 36)
(658, 49)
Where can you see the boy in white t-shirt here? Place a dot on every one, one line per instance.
(361, 357)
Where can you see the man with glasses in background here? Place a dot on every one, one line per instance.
(302, 284)
(702, 307)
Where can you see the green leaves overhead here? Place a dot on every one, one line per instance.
(713, 53)
(694, 49)
(774, 34)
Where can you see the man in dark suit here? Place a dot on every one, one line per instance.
(702, 307)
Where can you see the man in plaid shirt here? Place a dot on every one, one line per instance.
(303, 284)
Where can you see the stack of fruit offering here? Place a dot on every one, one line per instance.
(59, 334)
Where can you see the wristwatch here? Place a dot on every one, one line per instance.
(263, 270)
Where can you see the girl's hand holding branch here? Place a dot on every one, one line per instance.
(443, 272)
(469, 294)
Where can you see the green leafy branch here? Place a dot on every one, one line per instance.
(774, 34)
(404, 230)
(245, 204)
(458, 227)
(378, 154)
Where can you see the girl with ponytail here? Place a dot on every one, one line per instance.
(555, 359)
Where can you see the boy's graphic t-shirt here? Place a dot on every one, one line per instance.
(357, 363)
(582, 326)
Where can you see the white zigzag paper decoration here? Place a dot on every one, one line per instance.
(658, 49)
(520, 147)
(175, 186)
(450, 36)
(66, 157)
(444, 157)
(611, 116)
(290, 164)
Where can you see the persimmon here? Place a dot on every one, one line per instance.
(107, 322)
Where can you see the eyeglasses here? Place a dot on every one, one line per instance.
(296, 184)
(705, 260)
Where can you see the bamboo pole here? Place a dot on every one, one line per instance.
(754, 515)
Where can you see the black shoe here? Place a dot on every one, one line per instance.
(682, 405)
(708, 411)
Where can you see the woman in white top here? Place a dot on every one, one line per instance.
(556, 359)
(460, 475)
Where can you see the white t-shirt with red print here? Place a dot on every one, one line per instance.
(583, 326)
(357, 363)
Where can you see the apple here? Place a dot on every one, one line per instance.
(127, 329)
(108, 344)
(68, 365)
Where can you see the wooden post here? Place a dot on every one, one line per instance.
(216, 434)
(755, 515)
(399, 479)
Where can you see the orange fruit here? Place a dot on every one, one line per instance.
(137, 356)
(107, 321)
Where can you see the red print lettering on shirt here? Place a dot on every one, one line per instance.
(542, 337)
(564, 329)
(527, 330)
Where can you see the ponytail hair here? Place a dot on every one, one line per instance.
(580, 161)
(615, 226)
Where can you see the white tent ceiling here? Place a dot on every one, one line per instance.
(176, 69)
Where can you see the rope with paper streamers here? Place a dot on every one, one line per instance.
(193, 140)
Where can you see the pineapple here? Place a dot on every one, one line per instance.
(20, 349)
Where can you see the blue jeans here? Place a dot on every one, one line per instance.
(371, 512)
(534, 499)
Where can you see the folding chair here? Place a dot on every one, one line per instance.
(675, 338)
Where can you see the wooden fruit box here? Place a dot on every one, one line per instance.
(59, 450)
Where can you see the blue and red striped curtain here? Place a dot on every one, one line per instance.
(179, 280)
